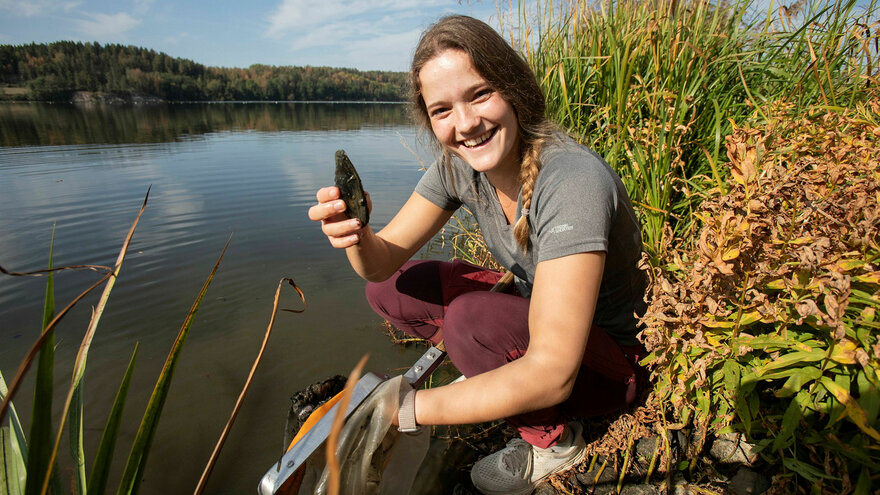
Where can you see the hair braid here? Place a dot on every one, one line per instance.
(531, 165)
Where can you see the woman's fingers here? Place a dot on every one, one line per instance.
(325, 211)
(328, 205)
(341, 230)
(328, 194)
(344, 242)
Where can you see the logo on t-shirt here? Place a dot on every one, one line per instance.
(561, 228)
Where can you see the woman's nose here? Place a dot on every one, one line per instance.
(467, 119)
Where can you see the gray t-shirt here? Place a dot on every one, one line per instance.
(579, 205)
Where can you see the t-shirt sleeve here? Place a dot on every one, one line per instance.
(435, 187)
(574, 206)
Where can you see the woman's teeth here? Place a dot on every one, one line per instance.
(470, 143)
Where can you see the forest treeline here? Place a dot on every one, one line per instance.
(55, 71)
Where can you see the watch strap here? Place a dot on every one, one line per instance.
(406, 413)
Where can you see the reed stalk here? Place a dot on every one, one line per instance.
(654, 86)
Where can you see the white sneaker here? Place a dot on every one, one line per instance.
(520, 467)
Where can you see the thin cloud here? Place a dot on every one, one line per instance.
(103, 26)
(173, 40)
(369, 34)
(327, 35)
(141, 7)
(377, 33)
(31, 8)
(385, 50)
(296, 16)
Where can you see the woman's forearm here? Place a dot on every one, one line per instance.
(515, 388)
(376, 256)
(561, 311)
(373, 257)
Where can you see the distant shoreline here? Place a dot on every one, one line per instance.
(18, 95)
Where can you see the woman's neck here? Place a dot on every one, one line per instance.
(507, 193)
(505, 183)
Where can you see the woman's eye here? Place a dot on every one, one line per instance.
(439, 112)
(483, 94)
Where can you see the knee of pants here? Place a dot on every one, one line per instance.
(462, 332)
(463, 316)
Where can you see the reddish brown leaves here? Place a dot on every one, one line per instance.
(785, 262)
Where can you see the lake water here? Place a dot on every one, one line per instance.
(247, 170)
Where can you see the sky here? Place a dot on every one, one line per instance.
(360, 34)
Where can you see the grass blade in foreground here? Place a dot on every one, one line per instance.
(13, 450)
(79, 366)
(75, 435)
(38, 344)
(41, 415)
(213, 459)
(11, 465)
(97, 484)
(137, 458)
(338, 422)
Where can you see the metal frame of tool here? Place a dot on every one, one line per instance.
(284, 477)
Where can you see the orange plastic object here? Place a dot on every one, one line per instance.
(313, 418)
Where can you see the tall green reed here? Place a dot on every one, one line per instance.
(29, 463)
(655, 85)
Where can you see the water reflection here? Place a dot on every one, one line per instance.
(30, 124)
(247, 169)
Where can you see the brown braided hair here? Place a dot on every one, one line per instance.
(508, 74)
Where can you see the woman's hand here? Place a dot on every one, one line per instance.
(375, 256)
(341, 231)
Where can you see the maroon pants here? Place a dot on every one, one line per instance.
(483, 330)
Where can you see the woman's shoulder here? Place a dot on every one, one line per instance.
(563, 158)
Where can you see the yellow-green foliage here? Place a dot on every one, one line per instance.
(465, 240)
(768, 322)
(654, 85)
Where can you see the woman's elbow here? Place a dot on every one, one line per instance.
(560, 391)
(556, 387)
(557, 379)
(379, 274)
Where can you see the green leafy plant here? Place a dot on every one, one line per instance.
(767, 324)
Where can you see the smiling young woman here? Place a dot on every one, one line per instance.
(469, 118)
(561, 345)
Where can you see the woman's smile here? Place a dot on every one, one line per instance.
(468, 116)
(472, 143)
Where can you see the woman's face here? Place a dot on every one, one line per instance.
(468, 116)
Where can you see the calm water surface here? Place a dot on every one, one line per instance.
(246, 170)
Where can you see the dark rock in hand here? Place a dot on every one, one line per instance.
(351, 190)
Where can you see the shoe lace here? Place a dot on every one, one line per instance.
(516, 457)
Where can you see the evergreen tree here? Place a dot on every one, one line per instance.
(56, 70)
